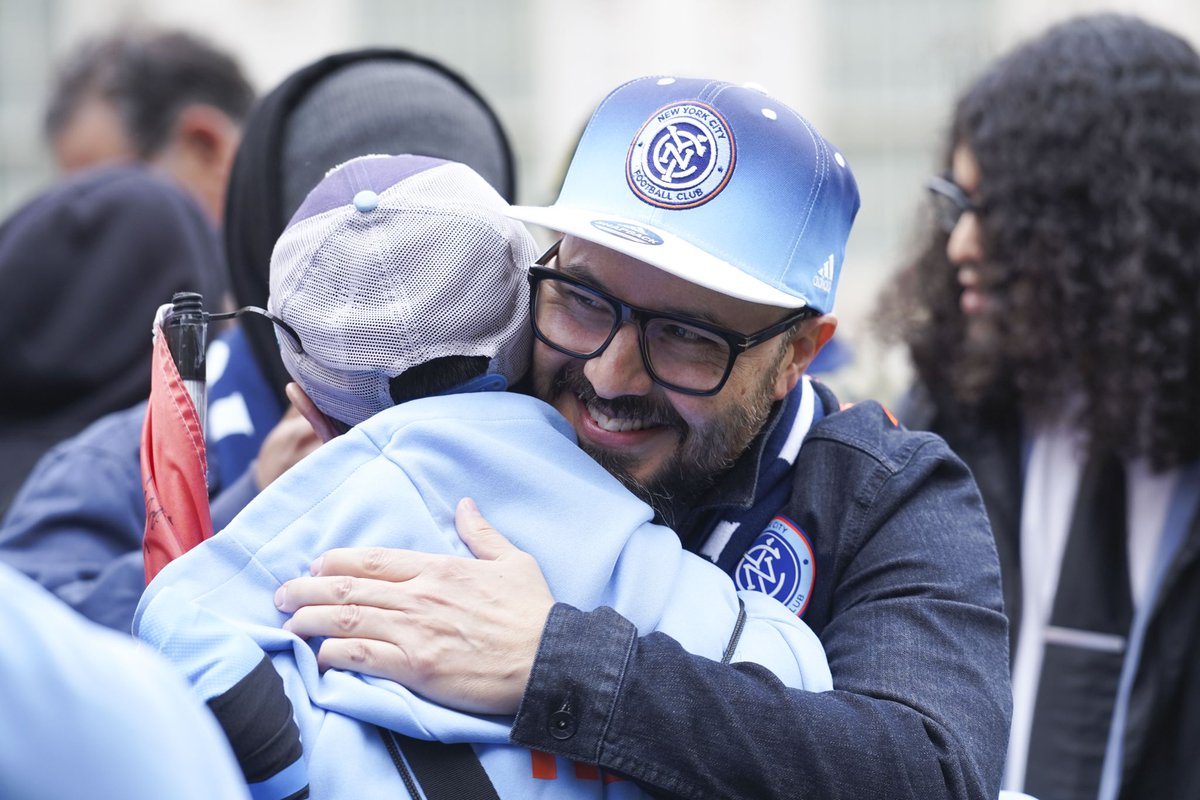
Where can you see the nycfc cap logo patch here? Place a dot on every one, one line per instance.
(627, 230)
(779, 564)
(682, 157)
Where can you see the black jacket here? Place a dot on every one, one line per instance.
(84, 266)
(1162, 735)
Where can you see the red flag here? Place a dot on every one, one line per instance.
(174, 466)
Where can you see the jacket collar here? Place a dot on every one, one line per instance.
(746, 482)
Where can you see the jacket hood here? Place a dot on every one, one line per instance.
(346, 105)
(85, 265)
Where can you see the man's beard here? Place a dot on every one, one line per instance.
(988, 355)
(701, 457)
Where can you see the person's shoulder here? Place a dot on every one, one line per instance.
(89, 484)
(115, 435)
(462, 414)
(58, 663)
(871, 430)
(49, 633)
(109, 444)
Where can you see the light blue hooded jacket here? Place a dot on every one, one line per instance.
(395, 481)
(85, 712)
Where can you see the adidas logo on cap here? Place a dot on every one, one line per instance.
(823, 280)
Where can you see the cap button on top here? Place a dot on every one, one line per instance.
(562, 725)
(366, 200)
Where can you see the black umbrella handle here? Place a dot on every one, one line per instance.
(186, 329)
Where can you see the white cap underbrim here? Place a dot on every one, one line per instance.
(671, 254)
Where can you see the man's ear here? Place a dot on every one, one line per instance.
(200, 154)
(208, 134)
(813, 335)
(320, 423)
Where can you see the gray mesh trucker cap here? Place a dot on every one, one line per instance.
(390, 262)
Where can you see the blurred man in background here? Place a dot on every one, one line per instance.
(168, 99)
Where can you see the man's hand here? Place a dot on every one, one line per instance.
(462, 632)
(290, 440)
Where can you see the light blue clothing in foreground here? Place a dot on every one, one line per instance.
(88, 713)
(395, 481)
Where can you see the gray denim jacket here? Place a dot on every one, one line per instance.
(906, 600)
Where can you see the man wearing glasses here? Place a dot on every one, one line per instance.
(687, 347)
(1051, 318)
(713, 220)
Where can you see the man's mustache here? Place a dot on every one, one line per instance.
(651, 410)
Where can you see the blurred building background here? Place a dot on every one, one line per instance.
(875, 76)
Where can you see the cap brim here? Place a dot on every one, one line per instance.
(670, 253)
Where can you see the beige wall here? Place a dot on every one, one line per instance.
(1022, 18)
(269, 37)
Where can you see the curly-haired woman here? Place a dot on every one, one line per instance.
(1053, 319)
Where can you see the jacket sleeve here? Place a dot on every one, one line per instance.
(76, 525)
(910, 615)
(235, 678)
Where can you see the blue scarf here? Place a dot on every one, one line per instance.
(746, 536)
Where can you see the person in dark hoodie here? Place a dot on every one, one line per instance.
(84, 265)
(76, 526)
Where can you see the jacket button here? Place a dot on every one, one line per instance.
(562, 725)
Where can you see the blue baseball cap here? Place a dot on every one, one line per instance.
(719, 184)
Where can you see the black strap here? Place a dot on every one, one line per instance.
(442, 771)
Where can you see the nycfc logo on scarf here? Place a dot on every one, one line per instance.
(779, 564)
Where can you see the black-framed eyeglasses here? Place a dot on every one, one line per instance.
(682, 354)
(949, 201)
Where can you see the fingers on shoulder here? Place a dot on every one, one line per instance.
(383, 659)
(380, 563)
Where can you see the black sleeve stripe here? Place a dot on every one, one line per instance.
(257, 718)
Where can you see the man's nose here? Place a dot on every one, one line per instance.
(619, 370)
(964, 245)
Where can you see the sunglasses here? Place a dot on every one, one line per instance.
(950, 202)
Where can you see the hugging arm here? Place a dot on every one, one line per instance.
(908, 610)
(909, 613)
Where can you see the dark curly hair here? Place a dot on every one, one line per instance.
(1088, 144)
